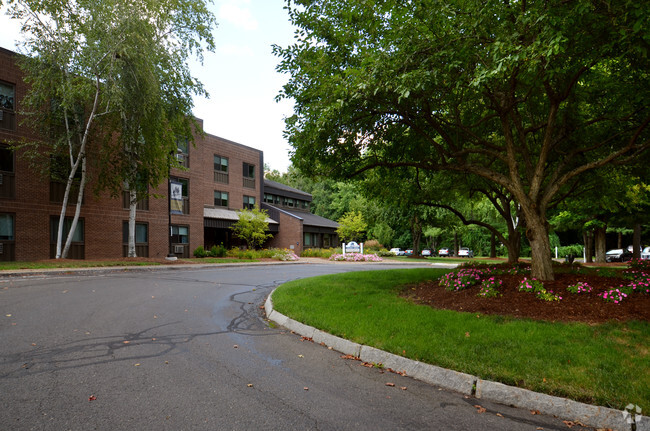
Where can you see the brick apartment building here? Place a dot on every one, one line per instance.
(220, 177)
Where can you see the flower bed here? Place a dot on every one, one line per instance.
(356, 257)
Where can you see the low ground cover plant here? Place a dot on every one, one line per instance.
(486, 277)
(594, 362)
(355, 257)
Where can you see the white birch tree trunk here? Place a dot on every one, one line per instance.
(133, 202)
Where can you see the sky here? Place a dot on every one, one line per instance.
(239, 76)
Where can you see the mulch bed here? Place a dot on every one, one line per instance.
(582, 307)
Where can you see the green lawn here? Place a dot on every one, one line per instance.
(606, 364)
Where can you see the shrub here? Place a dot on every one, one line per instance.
(284, 255)
(461, 279)
(579, 287)
(385, 253)
(218, 251)
(372, 244)
(200, 252)
(575, 250)
(615, 295)
(537, 287)
(489, 288)
(318, 252)
(639, 264)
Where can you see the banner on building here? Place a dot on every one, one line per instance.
(175, 198)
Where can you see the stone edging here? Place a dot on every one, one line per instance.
(587, 414)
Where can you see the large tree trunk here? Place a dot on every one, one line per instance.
(416, 229)
(540, 246)
(588, 238)
(636, 241)
(456, 243)
(513, 244)
(133, 203)
(600, 243)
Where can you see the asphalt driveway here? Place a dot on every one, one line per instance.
(189, 349)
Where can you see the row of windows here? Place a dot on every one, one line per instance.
(180, 236)
(285, 202)
(221, 200)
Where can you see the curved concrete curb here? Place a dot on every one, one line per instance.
(589, 415)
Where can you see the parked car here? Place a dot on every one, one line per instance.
(397, 251)
(618, 255)
(645, 254)
(465, 252)
(444, 252)
(408, 252)
(426, 252)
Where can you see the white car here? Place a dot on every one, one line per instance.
(465, 252)
(397, 251)
(645, 254)
(426, 252)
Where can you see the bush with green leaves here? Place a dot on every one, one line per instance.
(319, 252)
(200, 252)
(218, 251)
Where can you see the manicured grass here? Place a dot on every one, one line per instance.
(605, 364)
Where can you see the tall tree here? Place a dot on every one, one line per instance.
(113, 71)
(507, 91)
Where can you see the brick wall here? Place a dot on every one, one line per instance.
(104, 215)
(289, 235)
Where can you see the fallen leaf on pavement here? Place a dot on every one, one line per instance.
(403, 388)
(306, 388)
(92, 398)
(235, 346)
(535, 412)
(480, 409)
(301, 356)
(390, 384)
(250, 385)
(137, 365)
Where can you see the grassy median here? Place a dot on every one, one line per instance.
(606, 364)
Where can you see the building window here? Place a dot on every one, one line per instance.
(7, 176)
(180, 235)
(185, 202)
(288, 202)
(7, 237)
(307, 239)
(220, 169)
(7, 106)
(220, 199)
(183, 152)
(269, 199)
(249, 175)
(77, 250)
(6, 227)
(141, 205)
(141, 239)
(249, 202)
(59, 171)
